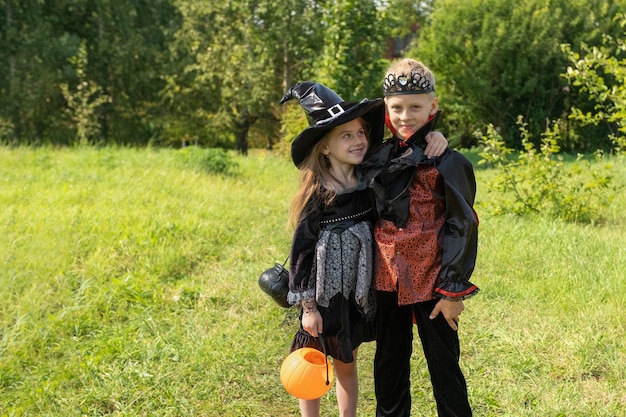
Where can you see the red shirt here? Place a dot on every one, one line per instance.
(408, 260)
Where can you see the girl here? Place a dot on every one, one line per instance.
(331, 253)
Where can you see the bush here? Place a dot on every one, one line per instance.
(212, 160)
(537, 181)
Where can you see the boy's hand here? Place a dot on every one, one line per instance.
(436, 144)
(451, 311)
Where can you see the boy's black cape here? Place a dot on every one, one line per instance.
(390, 169)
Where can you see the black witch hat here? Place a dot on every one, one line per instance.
(326, 110)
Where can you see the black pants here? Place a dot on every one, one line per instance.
(394, 345)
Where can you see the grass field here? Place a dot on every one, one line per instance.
(128, 287)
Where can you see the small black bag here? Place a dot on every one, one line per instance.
(275, 283)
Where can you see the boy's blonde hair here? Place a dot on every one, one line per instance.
(412, 70)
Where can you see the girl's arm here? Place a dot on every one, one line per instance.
(302, 257)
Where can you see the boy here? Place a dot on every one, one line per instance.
(426, 240)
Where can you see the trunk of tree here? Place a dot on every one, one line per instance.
(103, 111)
(285, 84)
(15, 110)
(242, 128)
(286, 66)
(242, 139)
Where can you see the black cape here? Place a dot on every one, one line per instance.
(390, 169)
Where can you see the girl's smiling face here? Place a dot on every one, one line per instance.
(347, 143)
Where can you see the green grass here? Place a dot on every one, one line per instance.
(128, 288)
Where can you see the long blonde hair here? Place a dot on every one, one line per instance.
(314, 171)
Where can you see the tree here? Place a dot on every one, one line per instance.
(402, 20)
(351, 60)
(267, 46)
(127, 43)
(600, 72)
(496, 60)
(32, 58)
(347, 56)
(231, 78)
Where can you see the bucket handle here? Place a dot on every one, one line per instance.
(325, 356)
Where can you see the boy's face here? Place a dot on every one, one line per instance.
(409, 112)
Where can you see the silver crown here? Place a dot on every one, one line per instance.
(415, 83)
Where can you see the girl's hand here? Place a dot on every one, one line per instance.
(312, 322)
(436, 144)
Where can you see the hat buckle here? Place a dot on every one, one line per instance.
(334, 111)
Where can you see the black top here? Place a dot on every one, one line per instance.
(347, 208)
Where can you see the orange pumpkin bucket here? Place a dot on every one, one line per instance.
(306, 373)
